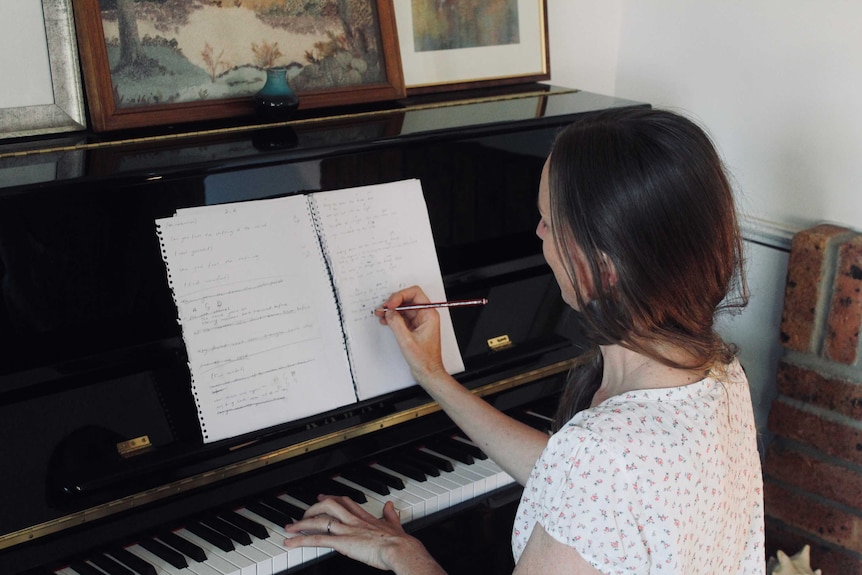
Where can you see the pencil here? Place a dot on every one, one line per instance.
(455, 303)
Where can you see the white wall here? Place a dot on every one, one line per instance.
(777, 83)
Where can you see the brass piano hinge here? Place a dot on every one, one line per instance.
(499, 342)
(134, 446)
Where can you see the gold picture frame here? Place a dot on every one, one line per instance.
(447, 46)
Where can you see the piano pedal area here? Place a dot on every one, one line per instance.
(448, 493)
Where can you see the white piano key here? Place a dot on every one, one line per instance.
(288, 557)
(276, 552)
(291, 499)
(407, 506)
(72, 571)
(203, 569)
(502, 477)
(309, 553)
(216, 561)
(160, 564)
(478, 482)
(430, 495)
(262, 560)
(372, 504)
(442, 495)
(432, 503)
(457, 492)
(478, 467)
(241, 564)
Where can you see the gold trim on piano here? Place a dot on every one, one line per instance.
(289, 452)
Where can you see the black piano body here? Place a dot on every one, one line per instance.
(99, 439)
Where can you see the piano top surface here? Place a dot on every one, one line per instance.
(130, 156)
(93, 353)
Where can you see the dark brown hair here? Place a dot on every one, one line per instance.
(646, 191)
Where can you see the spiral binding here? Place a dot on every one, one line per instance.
(170, 278)
(327, 263)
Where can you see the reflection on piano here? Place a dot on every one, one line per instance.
(104, 468)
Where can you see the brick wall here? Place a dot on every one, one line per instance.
(813, 468)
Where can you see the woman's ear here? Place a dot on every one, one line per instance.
(608, 271)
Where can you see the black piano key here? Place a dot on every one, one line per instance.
(387, 478)
(227, 529)
(532, 420)
(83, 568)
(471, 448)
(183, 545)
(431, 459)
(546, 408)
(164, 552)
(294, 512)
(308, 492)
(357, 475)
(332, 487)
(109, 565)
(221, 541)
(446, 448)
(133, 561)
(404, 468)
(305, 492)
(269, 513)
(245, 524)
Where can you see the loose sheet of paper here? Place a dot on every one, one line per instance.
(257, 313)
(379, 240)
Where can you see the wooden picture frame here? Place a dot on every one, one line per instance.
(57, 75)
(337, 59)
(447, 46)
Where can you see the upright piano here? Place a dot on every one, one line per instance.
(102, 465)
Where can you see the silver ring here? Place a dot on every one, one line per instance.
(329, 527)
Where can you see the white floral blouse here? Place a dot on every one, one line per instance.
(657, 481)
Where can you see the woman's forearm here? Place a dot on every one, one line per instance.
(513, 445)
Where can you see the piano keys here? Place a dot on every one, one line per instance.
(245, 539)
(96, 406)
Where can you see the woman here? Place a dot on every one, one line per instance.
(654, 467)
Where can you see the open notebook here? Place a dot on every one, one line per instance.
(275, 300)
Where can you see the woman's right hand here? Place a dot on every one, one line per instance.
(513, 445)
(417, 332)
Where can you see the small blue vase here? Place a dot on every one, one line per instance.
(275, 101)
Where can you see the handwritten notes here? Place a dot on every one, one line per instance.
(270, 339)
(378, 239)
(258, 317)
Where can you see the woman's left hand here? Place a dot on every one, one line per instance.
(341, 524)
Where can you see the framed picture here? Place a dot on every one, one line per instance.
(41, 91)
(456, 44)
(158, 62)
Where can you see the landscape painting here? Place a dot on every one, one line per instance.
(211, 56)
(452, 24)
